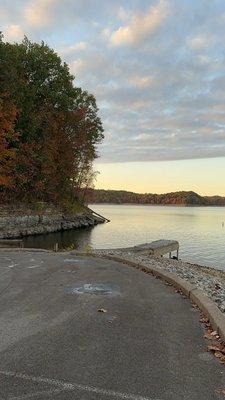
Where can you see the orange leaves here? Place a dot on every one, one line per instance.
(8, 137)
(204, 320)
(217, 346)
(221, 391)
(219, 351)
(8, 113)
(211, 335)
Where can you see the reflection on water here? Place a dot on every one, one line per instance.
(67, 240)
(200, 231)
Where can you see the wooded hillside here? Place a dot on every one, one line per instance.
(179, 198)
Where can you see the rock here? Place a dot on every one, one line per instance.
(23, 221)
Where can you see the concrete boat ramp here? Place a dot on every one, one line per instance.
(158, 248)
(77, 327)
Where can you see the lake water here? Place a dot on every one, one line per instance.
(199, 230)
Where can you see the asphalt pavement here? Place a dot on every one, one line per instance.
(91, 329)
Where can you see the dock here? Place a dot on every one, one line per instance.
(104, 219)
(158, 248)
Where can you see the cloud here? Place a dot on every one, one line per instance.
(73, 49)
(141, 25)
(13, 33)
(140, 81)
(59, 14)
(123, 14)
(199, 42)
(38, 13)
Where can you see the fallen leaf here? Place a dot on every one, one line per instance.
(220, 391)
(208, 335)
(217, 354)
(220, 355)
(215, 347)
(211, 335)
(204, 320)
(222, 349)
(102, 310)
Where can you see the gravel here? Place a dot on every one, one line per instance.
(209, 280)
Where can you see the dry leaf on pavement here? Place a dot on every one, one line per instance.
(211, 335)
(216, 347)
(208, 335)
(204, 320)
(220, 391)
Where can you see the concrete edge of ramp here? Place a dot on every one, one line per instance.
(25, 249)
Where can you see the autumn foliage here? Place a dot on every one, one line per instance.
(49, 129)
(8, 138)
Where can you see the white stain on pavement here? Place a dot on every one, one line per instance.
(73, 387)
(10, 262)
(12, 265)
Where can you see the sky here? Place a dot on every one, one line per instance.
(157, 69)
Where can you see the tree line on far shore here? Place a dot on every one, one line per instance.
(175, 198)
(49, 129)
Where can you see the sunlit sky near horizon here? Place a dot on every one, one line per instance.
(157, 69)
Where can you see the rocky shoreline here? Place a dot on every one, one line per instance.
(209, 280)
(18, 222)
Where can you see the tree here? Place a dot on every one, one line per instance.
(58, 124)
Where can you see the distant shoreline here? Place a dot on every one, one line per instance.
(182, 198)
(160, 205)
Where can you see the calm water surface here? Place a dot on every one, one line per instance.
(199, 230)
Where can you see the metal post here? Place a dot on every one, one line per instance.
(56, 247)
